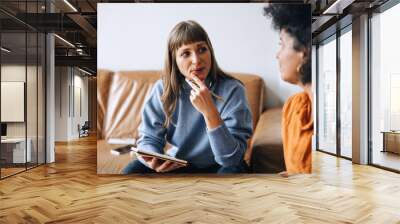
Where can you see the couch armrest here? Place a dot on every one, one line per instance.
(266, 146)
(104, 78)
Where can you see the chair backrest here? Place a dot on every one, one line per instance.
(86, 125)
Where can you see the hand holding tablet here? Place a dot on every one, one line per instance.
(163, 157)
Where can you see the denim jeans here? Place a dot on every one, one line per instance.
(137, 167)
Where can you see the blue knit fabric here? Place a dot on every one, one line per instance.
(189, 136)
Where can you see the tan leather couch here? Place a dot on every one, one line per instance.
(121, 97)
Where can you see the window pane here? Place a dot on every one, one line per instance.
(327, 97)
(345, 94)
(385, 84)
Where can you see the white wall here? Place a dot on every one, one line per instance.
(62, 82)
(17, 73)
(33, 126)
(80, 83)
(134, 36)
(68, 80)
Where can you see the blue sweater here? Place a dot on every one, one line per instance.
(191, 140)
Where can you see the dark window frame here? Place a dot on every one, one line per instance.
(346, 26)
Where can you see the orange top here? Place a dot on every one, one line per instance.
(297, 131)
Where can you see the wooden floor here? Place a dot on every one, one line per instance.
(70, 191)
(10, 171)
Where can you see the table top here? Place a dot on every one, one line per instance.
(13, 140)
(396, 132)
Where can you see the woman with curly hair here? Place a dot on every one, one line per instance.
(294, 24)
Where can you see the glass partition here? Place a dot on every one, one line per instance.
(13, 109)
(22, 88)
(346, 94)
(327, 96)
(31, 99)
(385, 89)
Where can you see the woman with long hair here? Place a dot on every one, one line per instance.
(197, 108)
(294, 24)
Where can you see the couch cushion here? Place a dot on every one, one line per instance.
(255, 93)
(103, 87)
(254, 86)
(267, 154)
(124, 116)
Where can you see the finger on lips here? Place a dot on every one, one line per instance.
(198, 82)
(194, 86)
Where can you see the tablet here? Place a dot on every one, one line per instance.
(158, 156)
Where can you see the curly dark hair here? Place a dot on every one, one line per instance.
(295, 19)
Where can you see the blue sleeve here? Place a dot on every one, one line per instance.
(151, 130)
(229, 140)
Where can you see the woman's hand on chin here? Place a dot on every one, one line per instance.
(200, 96)
(201, 99)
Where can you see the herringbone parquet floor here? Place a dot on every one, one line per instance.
(70, 191)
